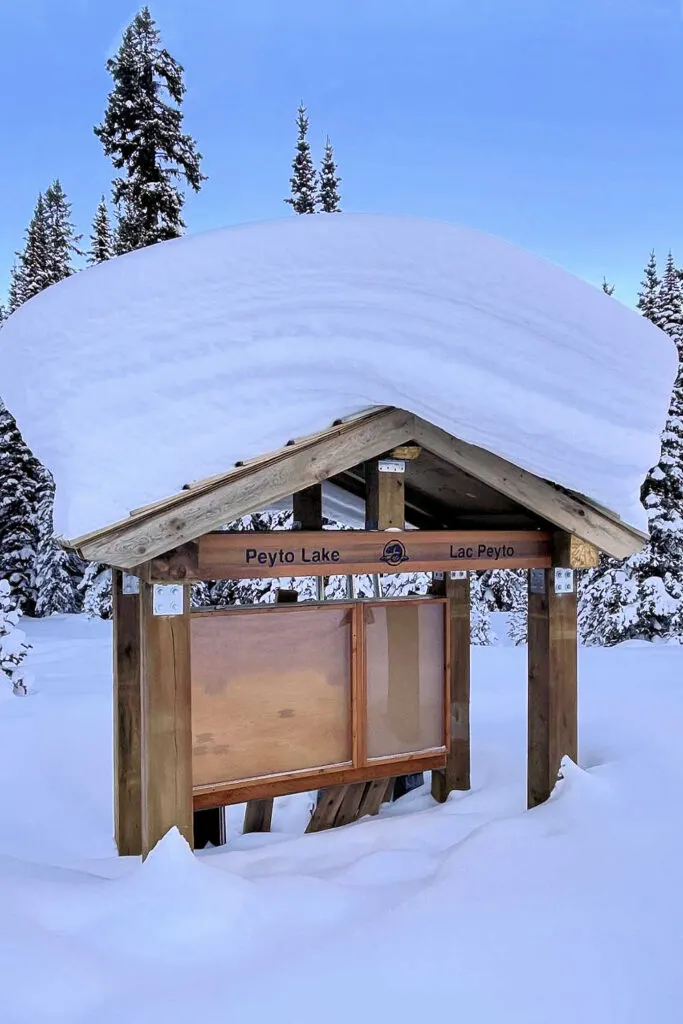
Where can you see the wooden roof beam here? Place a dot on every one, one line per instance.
(552, 503)
(183, 517)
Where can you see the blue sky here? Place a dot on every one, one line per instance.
(557, 124)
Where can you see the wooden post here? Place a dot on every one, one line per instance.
(166, 716)
(307, 506)
(552, 663)
(258, 815)
(385, 509)
(127, 714)
(456, 775)
(384, 498)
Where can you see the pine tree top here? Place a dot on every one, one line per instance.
(101, 241)
(329, 200)
(649, 290)
(303, 180)
(142, 133)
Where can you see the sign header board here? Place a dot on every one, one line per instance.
(246, 554)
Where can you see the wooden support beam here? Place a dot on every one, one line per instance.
(384, 498)
(307, 506)
(350, 804)
(566, 511)
(258, 816)
(127, 716)
(456, 775)
(376, 793)
(326, 809)
(210, 504)
(166, 718)
(552, 666)
(574, 553)
(209, 827)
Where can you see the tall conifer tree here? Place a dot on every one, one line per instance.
(142, 133)
(62, 240)
(329, 200)
(303, 180)
(101, 243)
(648, 296)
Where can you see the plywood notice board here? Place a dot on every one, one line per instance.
(270, 691)
(285, 689)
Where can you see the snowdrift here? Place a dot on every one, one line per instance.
(169, 364)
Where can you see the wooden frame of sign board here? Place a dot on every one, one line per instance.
(289, 719)
(454, 492)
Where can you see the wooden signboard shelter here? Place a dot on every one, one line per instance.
(222, 706)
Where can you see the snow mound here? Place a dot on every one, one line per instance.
(169, 364)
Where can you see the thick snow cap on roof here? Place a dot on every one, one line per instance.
(169, 364)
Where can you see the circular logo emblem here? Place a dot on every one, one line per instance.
(394, 553)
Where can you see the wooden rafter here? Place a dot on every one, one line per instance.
(335, 454)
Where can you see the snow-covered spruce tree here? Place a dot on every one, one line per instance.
(329, 200)
(13, 643)
(95, 588)
(101, 242)
(62, 240)
(31, 272)
(19, 472)
(648, 296)
(56, 574)
(142, 133)
(303, 181)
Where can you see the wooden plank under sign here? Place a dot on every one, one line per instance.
(249, 554)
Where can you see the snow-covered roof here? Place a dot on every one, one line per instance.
(172, 363)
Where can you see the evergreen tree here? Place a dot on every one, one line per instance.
(18, 499)
(303, 180)
(642, 597)
(142, 133)
(329, 199)
(669, 310)
(648, 296)
(607, 288)
(56, 573)
(13, 643)
(101, 242)
(61, 237)
(31, 272)
(95, 588)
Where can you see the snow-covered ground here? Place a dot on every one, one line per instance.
(477, 910)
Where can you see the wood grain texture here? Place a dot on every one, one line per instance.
(573, 553)
(307, 508)
(185, 516)
(385, 507)
(269, 554)
(567, 512)
(270, 691)
(127, 720)
(258, 815)
(301, 782)
(325, 811)
(166, 722)
(552, 701)
(456, 775)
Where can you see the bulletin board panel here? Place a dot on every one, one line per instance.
(291, 697)
(271, 691)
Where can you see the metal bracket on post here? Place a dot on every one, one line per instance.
(130, 584)
(167, 599)
(391, 466)
(564, 581)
